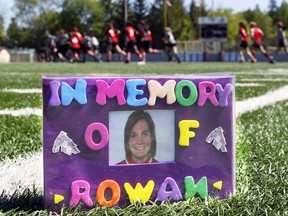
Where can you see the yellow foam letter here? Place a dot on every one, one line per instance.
(139, 193)
(185, 133)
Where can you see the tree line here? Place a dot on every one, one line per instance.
(32, 17)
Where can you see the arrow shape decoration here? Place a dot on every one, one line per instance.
(218, 138)
(58, 198)
(218, 185)
(64, 144)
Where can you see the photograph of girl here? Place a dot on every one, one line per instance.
(144, 142)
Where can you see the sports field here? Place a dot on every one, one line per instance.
(261, 145)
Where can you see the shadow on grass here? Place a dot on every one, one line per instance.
(28, 201)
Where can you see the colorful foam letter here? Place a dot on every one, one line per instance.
(139, 193)
(54, 88)
(175, 193)
(192, 96)
(185, 133)
(207, 90)
(100, 194)
(115, 89)
(131, 86)
(201, 188)
(76, 187)
(157, 90)
(68, 93)
(223, 94)
(103, 131)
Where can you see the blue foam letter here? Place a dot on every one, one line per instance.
(131, 86)
(68, 93)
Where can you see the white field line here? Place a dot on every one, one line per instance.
(263, 79)
(27, 171)
(22, 172)
(23, 91)
(249, 84)
(22, 112)
(270, 72)
(255, 103)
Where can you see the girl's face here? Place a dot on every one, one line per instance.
(140, 141)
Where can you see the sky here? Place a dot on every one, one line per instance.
(236, 5)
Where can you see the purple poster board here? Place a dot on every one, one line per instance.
(113, 141)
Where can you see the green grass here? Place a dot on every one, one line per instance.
(17, 101)
(261, 149)
(19, 135)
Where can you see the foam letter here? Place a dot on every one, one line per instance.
(100, 194)
(157, 90)
(139, 193)
(185, 133)
(179, 93)
(223, 94)
(68, 93)
(204, 94)
(54, 88)
(77, 195)
(131, 86)
(115, 89)
(191, 189)
(175, 193)
(89, 136)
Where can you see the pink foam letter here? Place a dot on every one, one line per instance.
(115, 89)
(76, 187)
(204, 94)
(89, 136)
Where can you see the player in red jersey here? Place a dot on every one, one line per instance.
(146, 40)
(81, 41)
(112, 41)
(244, 43)
(131, 42)
(75, 48)
(256, 35)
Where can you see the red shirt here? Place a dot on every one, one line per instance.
(130, 33)
(77, 35)
(129, 160)
(112, 35)
(74, 42)
(243, 34)
(256, 34)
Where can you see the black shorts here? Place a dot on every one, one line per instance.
(111, 44)
(170, 45)
(146, 45)
(282, 43)
(256, 45)
(131, 44)
(244, 44)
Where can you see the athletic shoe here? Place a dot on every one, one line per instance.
(271, 61)
(141, 63)
(127, 62)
